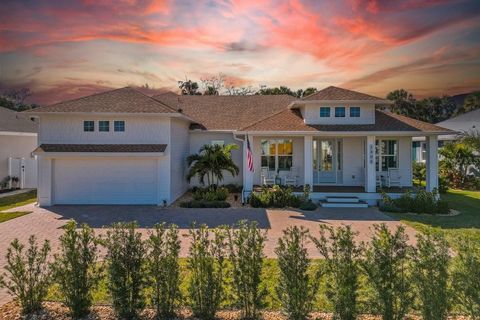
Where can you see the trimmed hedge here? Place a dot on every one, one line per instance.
(204, 204)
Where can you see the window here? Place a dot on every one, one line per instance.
(355, 112)
(103, 126)
(119, 126)
(277, 154)
(88, 126)
(324, 112)
(218, 143)
(386, 155)
(339, 155)
(339, 112)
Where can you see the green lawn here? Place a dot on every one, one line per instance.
(467, 223)
(15, 201)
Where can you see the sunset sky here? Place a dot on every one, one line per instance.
(66, 49)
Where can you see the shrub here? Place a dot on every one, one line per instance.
(204, 204)
(75, 269)
(276, 197)
(206, 265)
(430, 275)
(466, 277)
(385, 264)
(419, 171)
(246, 245)
(307, 206)
(125, 257)
(27, 275)
(296, 289)
(211, 194)
(164, 269)
(341, 263)
(422, 202)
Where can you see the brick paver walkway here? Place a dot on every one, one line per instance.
(46, 223)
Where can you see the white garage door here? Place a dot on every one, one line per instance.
(105, 181)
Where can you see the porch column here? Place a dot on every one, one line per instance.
(432, 162)
(308, 161)
(370, 173)
(247, 174)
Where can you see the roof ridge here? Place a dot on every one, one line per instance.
(345, 89)
(401, 116)
(156, 101)
(263, 119)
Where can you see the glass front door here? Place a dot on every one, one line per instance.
(324, 161)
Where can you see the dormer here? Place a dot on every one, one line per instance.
(334, 105)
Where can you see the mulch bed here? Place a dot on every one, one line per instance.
(55, 310)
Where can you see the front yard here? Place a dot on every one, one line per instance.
(14, 201)
(467, 223)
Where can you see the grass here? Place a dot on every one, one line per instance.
(467, 223)
(16, 201)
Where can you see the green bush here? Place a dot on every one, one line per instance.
(125, 259)
(204, 204)
(275, 197)
(385, 263)
(296, 288)
(430, 275)
(422, 202)
(75, 270)
(419, 171)
(164, 269)
(246, 243)
(466, 277)
(341, 257)
(206, 264)
(307, 206)
(27, 275)
(210, 194)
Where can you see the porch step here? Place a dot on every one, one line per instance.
(345, 199)
(359, 204)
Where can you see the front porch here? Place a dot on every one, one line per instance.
(345, 189)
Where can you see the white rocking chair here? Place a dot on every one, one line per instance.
(291, 177)
(394, 178)
(267, 179)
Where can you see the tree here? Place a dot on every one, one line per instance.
(457, 158)
(403, 102)
(15, 99)
(276, 90)
(472, 138)
(472, 102)
(211, 161)
(303, 93)
(188, 87)
(213, 85)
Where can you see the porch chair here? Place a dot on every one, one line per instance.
(394, 178)
(379, 180)
(266, 178)
(291, 177)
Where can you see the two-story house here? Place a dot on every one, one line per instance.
(122, 147)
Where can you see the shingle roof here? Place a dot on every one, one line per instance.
(335, 93)
(226, 112)
(13, 122)
(153, 148)
(291, 120)
(124, 100)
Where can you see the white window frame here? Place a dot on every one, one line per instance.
(379, 155)
(344, 112)
(99, 126)
(355, 108)
(115, 128)
(84, 122)
(276, 155)
(325, 108)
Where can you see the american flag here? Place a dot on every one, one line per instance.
(249, 156)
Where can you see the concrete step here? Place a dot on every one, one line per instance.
(360, 204)
(340, 199)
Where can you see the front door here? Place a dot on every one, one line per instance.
(324, 161)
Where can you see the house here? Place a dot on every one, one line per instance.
(122, 147)
(465, 122)
(18, 138)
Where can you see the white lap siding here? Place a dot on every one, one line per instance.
(179, 150)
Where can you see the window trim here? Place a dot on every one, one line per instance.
(355, 108)
(325, 109)
(344, 112)
(100, 128)
(277, 155)
(379, 155)
(93, 125)
(115, 127)
(216, 142)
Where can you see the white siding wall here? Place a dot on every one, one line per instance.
(311, 114)
(353, 169)
(179, 150)
(198, 139)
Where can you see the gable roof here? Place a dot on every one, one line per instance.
(339, 94)
(11, 121)
(464, 122)
(123, 100)
(226, 112)
(291, 121)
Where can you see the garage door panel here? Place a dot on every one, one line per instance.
(105, 181)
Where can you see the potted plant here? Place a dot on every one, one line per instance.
(14, 181)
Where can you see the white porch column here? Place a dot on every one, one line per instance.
(247, 174)
(370, 173)
(45, 170)
(432, 162)
(308, 161)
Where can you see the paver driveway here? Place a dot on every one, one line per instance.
(46, 223)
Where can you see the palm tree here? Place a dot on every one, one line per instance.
(457, 157)
(211, 162)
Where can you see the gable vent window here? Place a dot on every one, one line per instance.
(119, 126)
(324, 112)
(355, 112)
(339, 112)
(88, 126)
(103, 126)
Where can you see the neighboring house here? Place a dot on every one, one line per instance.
(466, 122)
(18, 138)
(122, 147)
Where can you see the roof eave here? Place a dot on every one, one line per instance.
(293, 104)
(346, 133)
